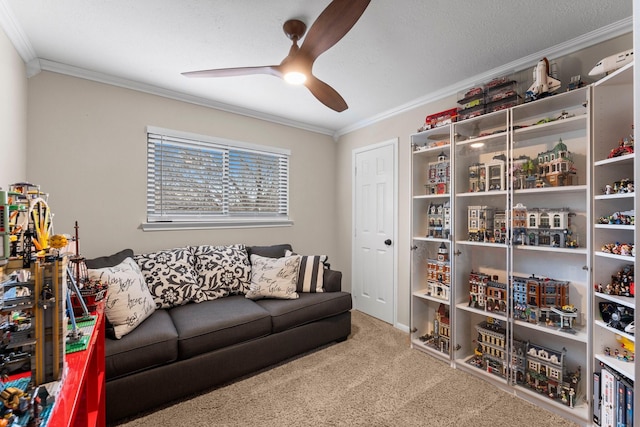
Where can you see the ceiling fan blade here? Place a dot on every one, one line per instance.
(273, 70)
(332, 24)
(326, 94)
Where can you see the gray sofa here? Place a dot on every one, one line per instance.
(181, 351)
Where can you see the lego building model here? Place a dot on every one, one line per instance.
(531, 226)
(438, 175)
(440, 339)
(531, 365)
(32, 294)
(439, 220)
(487, 293)
(439, 274)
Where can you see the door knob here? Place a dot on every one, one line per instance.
(388, 242)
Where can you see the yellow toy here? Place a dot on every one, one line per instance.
(626, 343)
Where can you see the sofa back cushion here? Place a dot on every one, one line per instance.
(109, 260)
(273, 251)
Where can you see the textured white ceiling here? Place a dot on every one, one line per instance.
(398, 52)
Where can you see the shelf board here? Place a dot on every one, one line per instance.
(489, 245)
(478, 139)
(431, 196)
(625, 368)
(615, 196)
(422, 294)
(553, 190)
(465, 307)
(581, 410)
(574, 251)
(627, 258)
(550, 104)
(483, 193)
(416, 343)
(440, 132)
(433, 149)
(626, 301)
(431, 239)
(551, 128)
(615, 331)
(629, 158)
(615, 226)
(580, 334)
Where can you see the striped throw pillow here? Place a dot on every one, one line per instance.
(310, 276)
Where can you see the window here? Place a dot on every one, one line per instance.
(195, 181)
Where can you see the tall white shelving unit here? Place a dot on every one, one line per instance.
(521, 303)
(431, 273)
(613, 116)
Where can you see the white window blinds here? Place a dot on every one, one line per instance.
(194, 178)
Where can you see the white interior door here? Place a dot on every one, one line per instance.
(374, 228)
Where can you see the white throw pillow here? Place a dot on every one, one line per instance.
(129, 301)
(273, 277)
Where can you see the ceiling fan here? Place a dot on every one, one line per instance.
(332, 24)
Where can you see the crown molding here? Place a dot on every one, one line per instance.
(69, 70)
(14, 32)
(605, 33)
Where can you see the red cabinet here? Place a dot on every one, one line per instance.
(81, 402)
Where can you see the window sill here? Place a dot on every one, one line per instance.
(178, 225)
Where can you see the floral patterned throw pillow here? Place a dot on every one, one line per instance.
(221, 271)
(170, 276)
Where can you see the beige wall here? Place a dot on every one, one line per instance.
(87, 149)
(13, 114)
(402, 126)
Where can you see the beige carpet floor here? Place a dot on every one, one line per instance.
(372, 379)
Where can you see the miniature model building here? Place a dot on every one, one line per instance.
(439, 274)
(542, 227)
(33, 310)
(547, 374)
(495, 173)
(439, 220)
(489, 176)
(486, 292)
(523, 173)
(490, 348)
(531, 365)
(440, 339)
(535, 297)
(477, 181)
(555, 167)
(438, 175)
(547, 227)
(480, 221)
(500, 231)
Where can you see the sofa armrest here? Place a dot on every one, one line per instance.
(332, 280)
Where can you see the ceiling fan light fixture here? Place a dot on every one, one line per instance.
(295, 77)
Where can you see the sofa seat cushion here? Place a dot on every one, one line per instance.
(309, 307)
(153, 343)
(211, 325)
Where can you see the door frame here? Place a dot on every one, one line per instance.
(394, 143)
